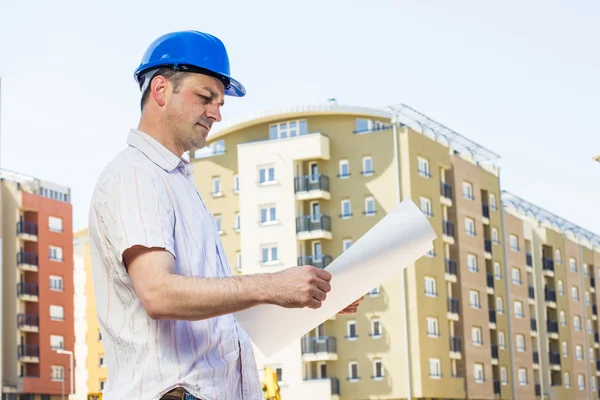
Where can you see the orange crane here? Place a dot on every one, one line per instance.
(270, 386)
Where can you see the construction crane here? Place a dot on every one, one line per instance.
(270, 386)
(94, 396)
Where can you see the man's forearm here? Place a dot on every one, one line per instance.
(191, 298)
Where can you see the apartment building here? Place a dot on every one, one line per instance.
(300, 185)
(91, 372)
(37, 288)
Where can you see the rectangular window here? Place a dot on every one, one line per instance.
(236, 183)
(435, 370)
(369, 206)
(522, 376)
(478, 372)
(468, 190)
(57, 373)
(367, 163)
(219, 223)
(268, 214)
(287, 129)
(216, 186)
(470, 226)
(57, 342)
(56, 283)
(573, 264)
(430, 286)
(269, 254)
(493, 204)
(520, 343)
(472, 263)
(57, 313)
(375, 328)
(56, 253)
(503, 375)
(344, 169)
(346, 209)
(516, 276)
(476, 336)
(497, 270)
(433, 327)
(577, 322)
(514, 242)
(426, 206)
(495, 237)
(351, 330)
(238, 257)
(266, 175)
(353, 370)
(238, 221)
(423, 167)
(474, 298)
(499, 305)
(55, 224)
(346, 243)
(519, 309)
(581, 382)
(377, 369)
(501, 341)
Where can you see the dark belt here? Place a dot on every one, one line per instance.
(175, 394)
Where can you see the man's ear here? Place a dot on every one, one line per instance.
(158, 89)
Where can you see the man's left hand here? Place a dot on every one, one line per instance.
(352, 308)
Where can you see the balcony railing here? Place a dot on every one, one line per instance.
(552, 326)
(335, 386)
(592, 282)
(448, 228)
(595, 310)
(531, 292)
(446, 190)
(311, 182)
(533, 324)
(494, 351)
(554, 358)
(538, 390)
(598, 365)
(488, 245)
(455, 344)
(28, 350)
(548, 264)
(28, 228)
(322, 344)
(451, 267)
(550, 294)
(492, 314)
(453, 305)
(24, 257)
(490, 281)
(596, 337)
(496, 386)
(26, 288)
(536, 357)
(485, 208)
(529, 260)
(320, 262)
(27, 319)
(309, 223)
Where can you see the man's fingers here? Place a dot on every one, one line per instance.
(321, 273)
(323, 285)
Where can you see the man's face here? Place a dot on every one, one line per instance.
(193, 109)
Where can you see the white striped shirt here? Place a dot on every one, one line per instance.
(147, 196)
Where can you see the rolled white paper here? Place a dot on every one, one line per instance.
(399, 239)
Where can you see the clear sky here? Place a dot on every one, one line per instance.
(519, 77)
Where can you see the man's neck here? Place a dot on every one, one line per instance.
(161, 135)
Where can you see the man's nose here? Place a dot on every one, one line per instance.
(214, 112)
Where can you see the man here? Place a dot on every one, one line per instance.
(163, 286)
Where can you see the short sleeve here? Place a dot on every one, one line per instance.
(137, 211)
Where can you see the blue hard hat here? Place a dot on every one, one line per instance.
(190, 51)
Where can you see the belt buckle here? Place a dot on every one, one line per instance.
(175, 394)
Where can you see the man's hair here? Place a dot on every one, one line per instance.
(173, 76)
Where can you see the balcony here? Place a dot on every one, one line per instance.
(492, 317)
(324, 388)
(27, 261)
(536, 357)
(455, 345)
(28, 322)
(453, 309)
(495, 351)
(309, 227)
(316, 261)
(548, 266)
(487, 244)
(595, 310)
(312, 187)
(596, 337)
(451, 270)
(27, 291)
(448, 228)
(533, 325)
(485, 209)
(598, 365)
(531, 293)
(446, 193)
(496, 387)
(27, 231)
(554, 358)
(490, 281)
(592, 282)
(28, 353)
(322, 348)
(550, 297)
(538, 390)
(529, 259)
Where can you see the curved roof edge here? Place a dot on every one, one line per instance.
(274, 114)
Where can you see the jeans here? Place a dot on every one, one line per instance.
(189, 397)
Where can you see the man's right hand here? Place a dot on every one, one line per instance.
(300, 287)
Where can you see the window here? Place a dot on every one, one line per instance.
(561, 287)
(472, 263)
(344, 171)
(495, 237)
(577, 322)
(55, 224)
(435, 369)
(238, 221)
(575, 293)
(476, 336)
(470, 226)
(503, 375)
(593, 382)
(589, 327)
(346, 209)
(430, 286)
(369, 206)
(268, 214)
(557, 256)
(581, 381)
(478, 372)
(519, 309)
(474, 297)
(573, 264)
(563, 318)
(377, 369)
(266, 175)
(236, 183)
(353, 370)
(567, 380)
(432, 327)
(426, 206)
(346, 243)
(565, 349)
(238, 257)
(367, 165)
(501, 340)
(579, 352)
(516, 276)
(468, 190)
(514, 242)
(520, 343)
(219, 223)
(351, 330)
(287, 129)
(522, 376)
(216, 186)
(269, 254)
(497, 271)
(57, 313)
(56, 283)
(493, 204)
(423, 167)
(362, 125)
(499, 305)
(587, 298)
(586, 270)
(375, 328)
(218, 147)
(375, 291)
(57, 342)
(57, 373)
(101, 362)
(56, 253)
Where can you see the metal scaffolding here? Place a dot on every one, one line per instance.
(543, 216)
(443, 135)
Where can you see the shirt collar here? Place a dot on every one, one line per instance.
(157, 153)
